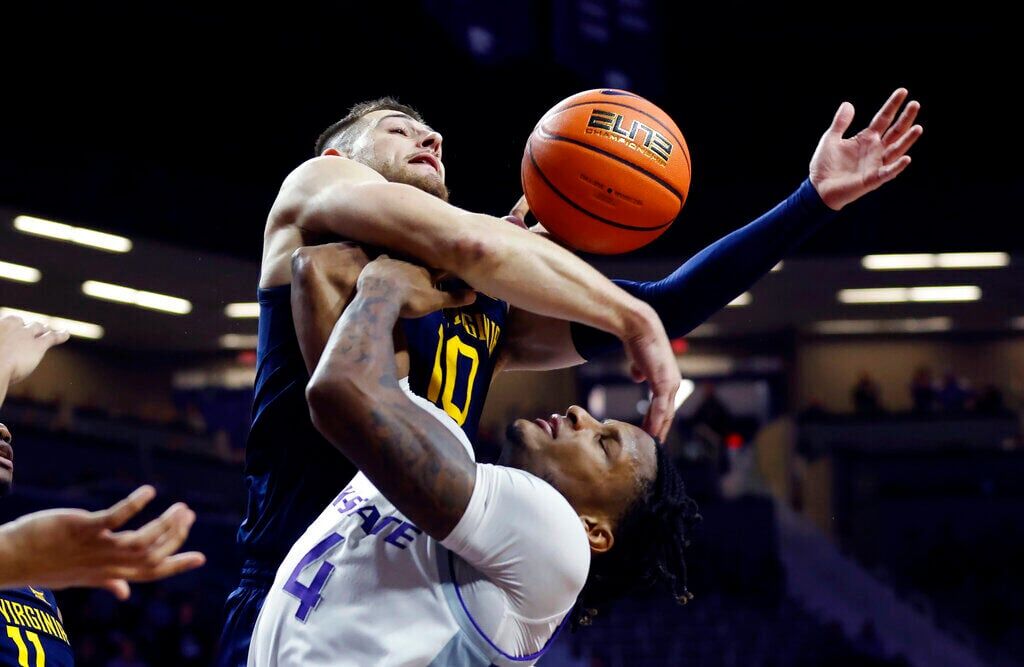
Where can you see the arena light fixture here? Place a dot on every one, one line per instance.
(742, 300)
(911, 294)
(238, 341)
(19, 273)
(778, 267)
(78, 235)
(242, 309)
(73, 327)
(136, 297)
(908, 326)
(946, 260)
(972, 260)
(686, 388)
(704, 331)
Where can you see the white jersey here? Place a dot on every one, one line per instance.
(363, 586)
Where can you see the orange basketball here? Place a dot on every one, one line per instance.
(605, 171)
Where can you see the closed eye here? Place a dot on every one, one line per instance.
(399, 130)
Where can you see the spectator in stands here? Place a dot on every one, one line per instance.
(990, 402)
(954, 394)
(865, 395)
(922, 391)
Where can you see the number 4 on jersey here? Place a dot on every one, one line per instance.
(309, 596)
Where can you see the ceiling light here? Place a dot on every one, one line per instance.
(742, 300)
(71, 234)
(19, 272)
(242, 309)
(911, 294)
(946, 260)
(238, 341)
(73, 327)
(135, 297)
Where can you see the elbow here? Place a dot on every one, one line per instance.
(306, 268)
(325, 398)
(334, 402)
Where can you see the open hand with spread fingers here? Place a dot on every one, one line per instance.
(845, 169)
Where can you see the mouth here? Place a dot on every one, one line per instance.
(549, 425)
(428, 159)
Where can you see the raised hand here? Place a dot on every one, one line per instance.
(844, 170)
(22, 346)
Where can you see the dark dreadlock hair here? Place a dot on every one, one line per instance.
(338, 131)
(648, 549)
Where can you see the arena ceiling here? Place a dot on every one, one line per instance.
(176, 123)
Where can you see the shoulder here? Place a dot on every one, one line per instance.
(314, 176)
(556, 532)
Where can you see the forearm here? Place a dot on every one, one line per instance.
(12, 567)
(718, 274)
(355, 401)
(502, 260)
(316, 306)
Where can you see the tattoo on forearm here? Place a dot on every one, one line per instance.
(415, 461)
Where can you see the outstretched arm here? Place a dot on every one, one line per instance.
(356, 403)
(841, 171)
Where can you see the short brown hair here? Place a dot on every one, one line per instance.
(336, 133)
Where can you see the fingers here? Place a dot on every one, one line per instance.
(842, 120)
(175, 520)
(521, 208)
(659, 416)
(51, 338)
(884, 117)
(119, 514)
(902, 145)
(906, 119)
(891, 171)
(173, 565)
(36, 328)
(118, 587)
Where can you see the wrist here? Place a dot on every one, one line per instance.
(636, 319)
(824, 195)
(375, 278)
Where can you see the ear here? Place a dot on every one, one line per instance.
(599, 533)
(333, 151)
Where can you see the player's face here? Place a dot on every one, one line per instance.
(596, 465)
(6, 461)
(402, 150)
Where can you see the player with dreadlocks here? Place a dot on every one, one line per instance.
(650, 539)
(429, 558)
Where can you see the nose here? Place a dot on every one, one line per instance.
(579, 418)
(432, 140)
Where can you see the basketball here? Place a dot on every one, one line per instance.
(606, 171)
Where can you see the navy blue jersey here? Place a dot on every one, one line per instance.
(293, 472)
(32, 632)
(452, 354)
